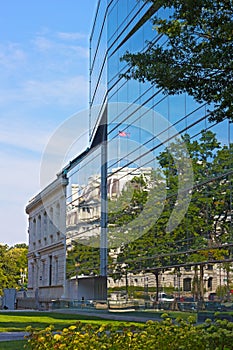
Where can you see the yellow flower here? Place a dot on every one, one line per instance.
(41, 339)
(72, 328)
(57, 337)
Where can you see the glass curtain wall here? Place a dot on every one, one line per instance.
(169, 170)
(98, 67)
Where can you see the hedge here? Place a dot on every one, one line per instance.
(163, 335)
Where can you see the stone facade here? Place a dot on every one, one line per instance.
(182, 282)
(47, 244)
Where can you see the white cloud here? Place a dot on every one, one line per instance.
(71, 36)
(23, 136)
(11, 56)
(66, 91)
(47, 71)
(34, 138)
(62, 92)
(43, 44)
(61, 47)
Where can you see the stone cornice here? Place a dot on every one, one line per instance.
(49, 247)
(54, 186)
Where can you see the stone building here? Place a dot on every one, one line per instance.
(47, 245)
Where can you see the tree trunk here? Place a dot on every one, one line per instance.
(202, 282)
(126, 285)
(157, 284)
(195, 283)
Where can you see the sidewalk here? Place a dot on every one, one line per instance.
(126, 316)
(6, 336)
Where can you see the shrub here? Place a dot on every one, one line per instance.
(154, 335)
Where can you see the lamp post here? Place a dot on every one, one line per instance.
(23, 275)
(178, 281)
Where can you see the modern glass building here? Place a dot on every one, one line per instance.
(153, 193)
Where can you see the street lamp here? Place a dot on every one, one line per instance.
(23, 275)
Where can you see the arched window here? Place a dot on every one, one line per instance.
(57, 216)
(51, 226)
(34, 228)
(38, 233)
(56, 270)
(45, 225)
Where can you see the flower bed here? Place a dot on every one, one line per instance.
(162, 335)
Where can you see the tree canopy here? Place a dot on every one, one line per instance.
(13, 263)
(204, 235)
(192, 53)
(82, 259)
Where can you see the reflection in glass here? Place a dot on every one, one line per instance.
(83, 215)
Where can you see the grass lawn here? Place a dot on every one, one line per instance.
(18, 321)
(157, 314)
(12, 345)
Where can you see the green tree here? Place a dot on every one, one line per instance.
(194, 54)
(13, 261)
(205, 230)
(124, 210)
(82, 259)
(206, 223)
(135, 254)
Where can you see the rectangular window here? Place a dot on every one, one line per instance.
(50, 269)
(56, 271)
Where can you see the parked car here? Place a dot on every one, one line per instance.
(188, 306)
(165, 297)
(212, 297)
(213, 306)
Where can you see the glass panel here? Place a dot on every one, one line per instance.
(83, 216)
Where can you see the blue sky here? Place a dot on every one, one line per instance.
(44, 47)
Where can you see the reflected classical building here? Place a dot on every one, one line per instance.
(180, 283)
(83, 211)
(84, 204)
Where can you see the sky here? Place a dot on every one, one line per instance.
(44, 55)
